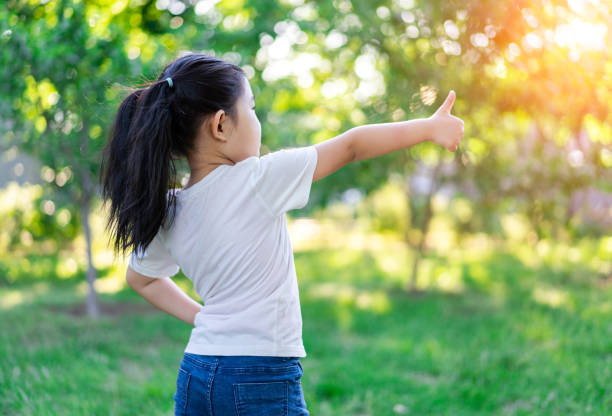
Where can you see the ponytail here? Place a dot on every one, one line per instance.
(139, 155)
(153, 126)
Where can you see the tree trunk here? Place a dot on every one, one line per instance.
(93, 308)
(424, 227)
(93, 304)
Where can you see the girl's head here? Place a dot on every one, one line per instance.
(206, 114)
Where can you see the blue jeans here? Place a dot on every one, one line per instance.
(240, 385)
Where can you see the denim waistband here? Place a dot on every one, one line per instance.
(240, 360)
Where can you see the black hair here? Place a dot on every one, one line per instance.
(154, 126)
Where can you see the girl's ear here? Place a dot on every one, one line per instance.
(217, 122)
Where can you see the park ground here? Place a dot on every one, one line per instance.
(495, 329)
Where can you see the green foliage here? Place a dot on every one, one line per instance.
(320, 68)
(387, 208)
(59, 65)
(29, 218)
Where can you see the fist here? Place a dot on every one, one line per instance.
(447, 130)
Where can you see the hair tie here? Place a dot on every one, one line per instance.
(169, 81)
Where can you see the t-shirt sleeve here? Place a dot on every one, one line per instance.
(283, 178)
(156, 260)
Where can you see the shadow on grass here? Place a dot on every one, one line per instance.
(114, 309)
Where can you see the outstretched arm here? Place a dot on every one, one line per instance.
(373, 140)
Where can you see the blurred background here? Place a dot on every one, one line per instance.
(431, 282)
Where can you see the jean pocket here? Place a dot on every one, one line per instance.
(182, 390)
(261, 399)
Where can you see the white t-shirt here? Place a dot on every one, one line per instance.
(230, 238)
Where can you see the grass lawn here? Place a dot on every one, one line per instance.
(493, 334)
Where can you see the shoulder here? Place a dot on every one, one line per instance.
(246, 166)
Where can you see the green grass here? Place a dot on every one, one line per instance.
(518, 339)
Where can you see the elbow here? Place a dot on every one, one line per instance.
(129, 280)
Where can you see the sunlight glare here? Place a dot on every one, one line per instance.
(578, 34)
(14, 297)
(110, 284)
(550, 296)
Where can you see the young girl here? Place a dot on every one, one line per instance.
(226, 229)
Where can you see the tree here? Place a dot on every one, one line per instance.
(57, 71)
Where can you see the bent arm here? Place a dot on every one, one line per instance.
(368, 141)
(164, 294)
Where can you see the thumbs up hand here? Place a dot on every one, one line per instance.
(447, 130)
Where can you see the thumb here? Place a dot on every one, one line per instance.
(448, 103)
